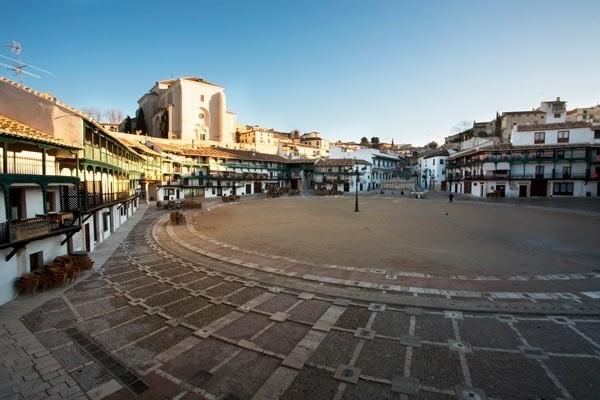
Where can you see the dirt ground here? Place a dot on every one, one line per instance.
(413, 235)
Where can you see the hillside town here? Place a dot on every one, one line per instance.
(69, 181)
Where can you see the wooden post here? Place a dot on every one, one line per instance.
(44, 165)
(4, 157)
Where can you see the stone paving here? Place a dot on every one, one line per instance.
(160, 320)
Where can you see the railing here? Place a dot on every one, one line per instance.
(39, 226)
(92, 153)
(27, 165)
(171, 182)
(243, 176)
(90, 201)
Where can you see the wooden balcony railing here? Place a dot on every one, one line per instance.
(37, 227)
(27, 165)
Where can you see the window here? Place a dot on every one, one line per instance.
(566, 172)
(557, 115)
(539, 137)
(441, 162)
(563, 188)
(563, 136)
(560, 154)
(36, 260)
(434, 161)
(50, 201)
(539, 171)
(597, 134)
(201, 97)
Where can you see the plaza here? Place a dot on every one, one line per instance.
(227, 306)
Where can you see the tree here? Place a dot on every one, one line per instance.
(462, 126)
(94, 113)
(114, 116)
(364, 141)
(140, 122)
(374, 141)
(498, 125)
(432, 145)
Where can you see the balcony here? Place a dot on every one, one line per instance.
(239, 176)
(27, 166)
(93, 201)
(42, 226)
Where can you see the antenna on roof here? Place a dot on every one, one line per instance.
(16, 65)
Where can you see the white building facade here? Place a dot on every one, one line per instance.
(384, 166)
(431, 171)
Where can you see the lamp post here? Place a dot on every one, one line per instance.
(356, 173)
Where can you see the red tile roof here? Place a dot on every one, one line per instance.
(10, 127)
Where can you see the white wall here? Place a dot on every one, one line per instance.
(576, 135)
(19, 263)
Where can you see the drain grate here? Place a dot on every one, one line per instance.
(112, 365)
(138, 387)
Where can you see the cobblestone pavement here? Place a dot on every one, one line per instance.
(160, 320)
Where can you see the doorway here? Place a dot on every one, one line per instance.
(87, 237)
(346, 186)
(501, 190)
(467, 187)
(248, 188)
(522, 190)
(539, 187)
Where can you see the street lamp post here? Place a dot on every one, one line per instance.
(356, 173)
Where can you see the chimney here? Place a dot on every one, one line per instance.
(558, 99)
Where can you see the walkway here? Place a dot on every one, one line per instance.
(160, 321)
(27, 368)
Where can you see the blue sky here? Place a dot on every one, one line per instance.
(394, 69)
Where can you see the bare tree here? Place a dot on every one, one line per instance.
(114, 116)
(94, 112)
(462, 126)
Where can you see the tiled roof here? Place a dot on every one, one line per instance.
(558, 125)
(254, 156)
(139, 147)
(205, 152)
(52, 99)
(523, 112)
(12, 128)
(188, 78)
(443, 152)
(339, 162)
(217, 152)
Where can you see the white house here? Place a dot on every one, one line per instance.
(431, 170)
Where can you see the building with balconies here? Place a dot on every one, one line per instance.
(384, 166)
(552, 159)
(66, 182)
(335, 175)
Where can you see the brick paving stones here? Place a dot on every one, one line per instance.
(178, 324)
